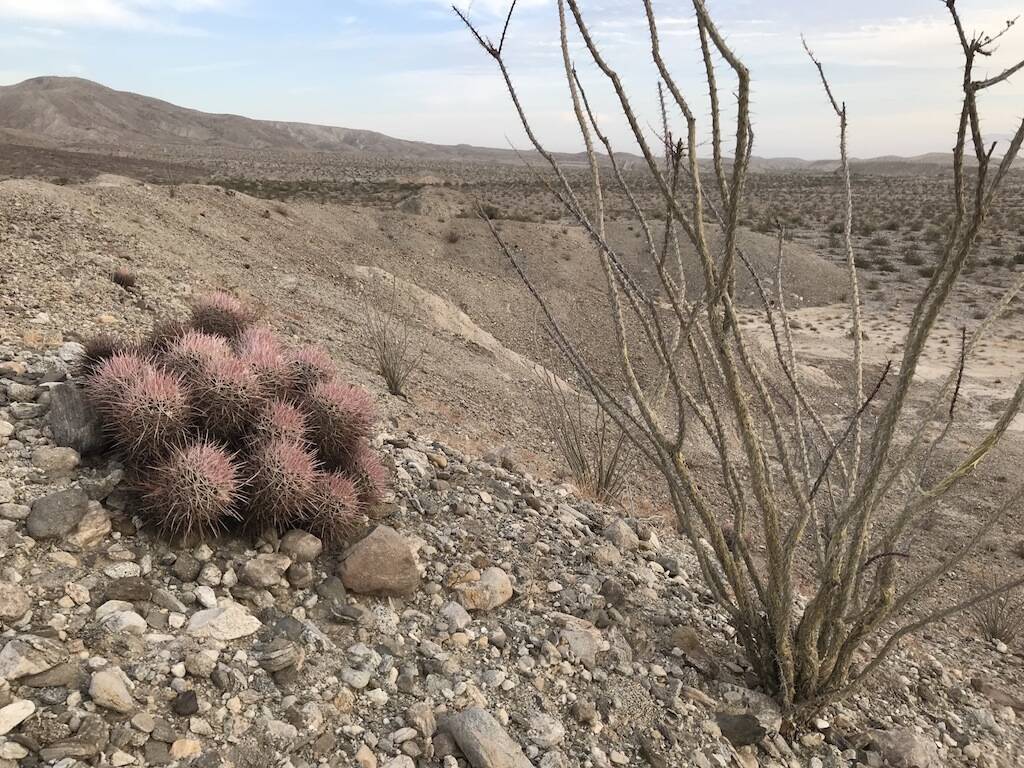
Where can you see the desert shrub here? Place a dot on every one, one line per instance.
(388, 330)
(597, 453)
(452, 236)
(912, 257)
(220, 423)
(1018, 257)
(835, 584)
(1000, 618)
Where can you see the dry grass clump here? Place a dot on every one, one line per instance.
(220, 422)
(389, 335)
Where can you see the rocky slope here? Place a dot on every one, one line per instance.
(487, 620)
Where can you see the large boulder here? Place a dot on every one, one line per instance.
(383, 563)
(74, 423)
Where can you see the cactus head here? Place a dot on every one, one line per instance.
(106, 384)
(222, 315)
(98, 350)
(152, 415)
(284, 480)
(311, 365)
(227, 394)
(280, 420)
(196, 491)
(164, 333)
(371, 476)
(189, 353)
(260, 348)
(342, 417)
(336, 514)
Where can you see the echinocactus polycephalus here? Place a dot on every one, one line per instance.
(164, 334)
(152, 415)
(284, 478)
(227, 394)
(370, 475)
(106, 383)
(280, 420)
(259, 347)
(342, 416)
(193, 350)
(310, 366)
(97, 350)
(195, 491)
(336, 512)
(221, 314)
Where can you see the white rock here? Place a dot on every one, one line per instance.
(109, 689)
(14, 714)
(227, 622)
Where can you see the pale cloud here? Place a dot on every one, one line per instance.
(130, 14)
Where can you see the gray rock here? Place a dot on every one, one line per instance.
(493, 589)
(483, 741)
(546, 731)
(905, 748)
(109, 689)
(90, 739)
(741, 730)
(300, 546)
(383, 563)
(6, 492)
(621, 535)
(30, 655)
(74, 423)
(457, 616)
(56, 514)
(265, 570)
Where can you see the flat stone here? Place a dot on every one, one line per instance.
(483, 741)
(383, 563)
(56, 514)
(14, 714)
(74, 423)
(741, 730)
(265, 570)
(493, 589)
(227, 622)
(6, 492)
(905, 748)
(300, 546)
(184, 749)
(109, 689)
(30, 655)
(14, 602)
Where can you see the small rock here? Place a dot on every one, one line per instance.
(546, 731)
(621, 535)
(14, 714)
(30, 655)
(457, 616)
(265, 570)
(14, 602)
(483, 741)
(185, 703)
(227, 622)
(184, 749)
(55, 462)
(493, 589)
(56, 515)
(383, 563)
(741, 730)
(92, 529)
(109, 689)
(300, 546)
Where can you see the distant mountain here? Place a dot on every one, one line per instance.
(70, 112)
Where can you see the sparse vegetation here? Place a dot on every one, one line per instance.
(1000, 618)
(388, 331)
(124, 277)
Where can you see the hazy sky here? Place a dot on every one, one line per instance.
(407, 67)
